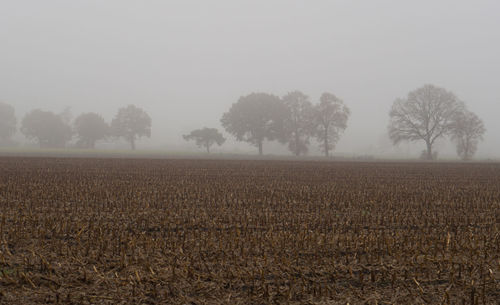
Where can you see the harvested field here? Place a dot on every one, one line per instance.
(117, 231)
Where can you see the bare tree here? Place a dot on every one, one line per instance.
(205, 137)
(329, 120)
(90, 128)
(8, 122)
(426, 114)
(255, 118)
(131, 123)
(298, 121)
(467, 130)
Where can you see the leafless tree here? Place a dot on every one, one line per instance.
(426, 114)
(467, 130)
(298, 121)
(329, 120)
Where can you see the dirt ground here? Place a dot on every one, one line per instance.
(137, 231)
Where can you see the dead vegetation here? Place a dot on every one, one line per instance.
(90, 231)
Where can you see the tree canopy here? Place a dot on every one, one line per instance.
(298, 122)
(47, 128)
(90, 128)
(131, 123)
(205, 137)
(467, 130)
(329, 120)
(255, 118)
(426, 114)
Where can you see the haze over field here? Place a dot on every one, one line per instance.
(186, 62)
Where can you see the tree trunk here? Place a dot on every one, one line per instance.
(260, 147)
(429, 150)
(466, 150)
(326, 143)
(208, 147)
(297, 147)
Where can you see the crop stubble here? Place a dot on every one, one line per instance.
(111, 231)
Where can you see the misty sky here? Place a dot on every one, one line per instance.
(185, 62)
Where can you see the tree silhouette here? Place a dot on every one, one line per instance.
(255, 118)
(466, 131)
(205, 137)
(426, 114)
(90, 128)
(298, 121)
(330, 120)
(131, 123)
(47, 128)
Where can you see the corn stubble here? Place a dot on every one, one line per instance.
(91, 231)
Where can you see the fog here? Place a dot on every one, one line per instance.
(185, 62)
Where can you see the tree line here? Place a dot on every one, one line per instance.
(291, 120)
(51, 130)
(426, 114)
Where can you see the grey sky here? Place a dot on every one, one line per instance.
(186, 62)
